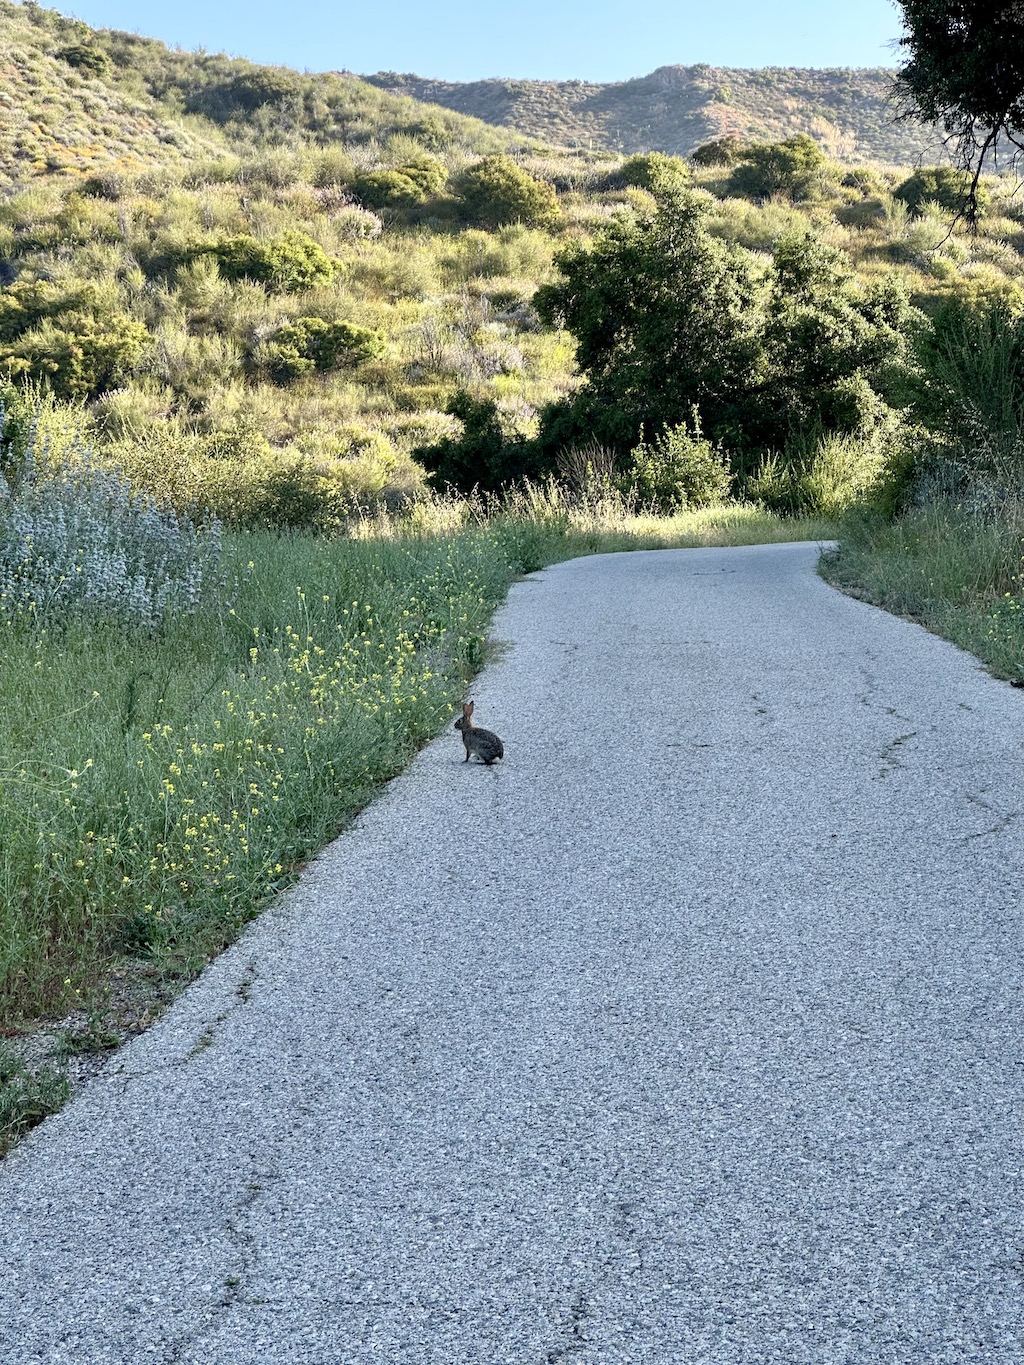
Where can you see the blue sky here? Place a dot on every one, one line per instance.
(601, 40)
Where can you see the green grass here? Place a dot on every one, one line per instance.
(958, 574)
(27, 1095)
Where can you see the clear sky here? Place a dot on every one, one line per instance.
(598, 40)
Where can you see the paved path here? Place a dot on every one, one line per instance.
(692, 1034)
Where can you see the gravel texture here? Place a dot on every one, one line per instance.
(690, 1033)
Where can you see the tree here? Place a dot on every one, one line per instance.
(674, 325)
(965, 72)
(665, 317)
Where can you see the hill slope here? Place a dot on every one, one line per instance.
(676, 108)
(77, 99)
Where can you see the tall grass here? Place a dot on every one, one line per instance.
(956, 571)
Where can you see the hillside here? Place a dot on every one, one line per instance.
(75, 99)
(676, 108)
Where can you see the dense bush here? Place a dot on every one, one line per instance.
(669, 319)
(680, 468)
(484, 457)
(288, 263)
(723, 151)
(411, 183)
(945, 186)
(972, 392)
(497, 190)
(792, 168)
(76, 540)
(311, 345)
(651, 169)
(85, 57)
(665, 317)
(73, 343)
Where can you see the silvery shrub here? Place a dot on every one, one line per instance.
(77, 541)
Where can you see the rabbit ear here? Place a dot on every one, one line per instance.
(467, 708)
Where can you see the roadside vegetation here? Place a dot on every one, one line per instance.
(284, 412)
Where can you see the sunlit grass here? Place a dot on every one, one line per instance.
(958, 573)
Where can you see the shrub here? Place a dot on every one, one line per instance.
(311, 345)
(288, 263)
(75, 540)
(402, 186)
(77, 354)
(944, 186)
(652, 169)
(485, 456)
(680, 468)
(792, 168)
(84, 57)
(497, 190)
(723, 151)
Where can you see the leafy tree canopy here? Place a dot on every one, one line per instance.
(669, 320)
(964, 71)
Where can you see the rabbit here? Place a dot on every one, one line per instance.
(484, 743)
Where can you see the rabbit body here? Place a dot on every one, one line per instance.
(484, 743)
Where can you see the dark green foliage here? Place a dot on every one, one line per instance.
(792, 168)
(972, 389)
(665, 317)
(287, 264)
(670, 321)
(680, 468)
(311, 345)
(244, 92)
(829, 348)
(401, 186)
(722, 151)
(497, 190)
(92, 61)
(964, 71)
(944, 186)
(484, 457)
(652, 169)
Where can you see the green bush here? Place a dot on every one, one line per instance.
(652, 169)
(944, 186)
(77, 354)
(497, 190)
(723, 151)
(311, 345)
(402, 186)
(792, 167)
(484, 457)
(680, 468)
(287, 264)
(84, 57)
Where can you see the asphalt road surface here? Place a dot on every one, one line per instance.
(691, 1033)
